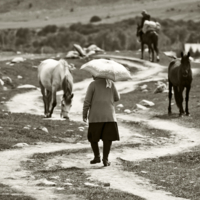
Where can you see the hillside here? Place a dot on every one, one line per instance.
(37, 13)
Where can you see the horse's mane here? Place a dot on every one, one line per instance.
(67, 82)
(67, 86)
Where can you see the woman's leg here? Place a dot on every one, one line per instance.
(106, 150)
(95, 149)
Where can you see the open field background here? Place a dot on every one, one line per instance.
(29, 14)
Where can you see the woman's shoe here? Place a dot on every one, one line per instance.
(106, 163)
(95, 160)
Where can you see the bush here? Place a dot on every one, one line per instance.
(47, 29)
(84, 29)
(95, 19)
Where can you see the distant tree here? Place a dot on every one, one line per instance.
(30, 5)
(95, 19)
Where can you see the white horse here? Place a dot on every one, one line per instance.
(53, 76)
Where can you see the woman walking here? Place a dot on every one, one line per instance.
(99, 109)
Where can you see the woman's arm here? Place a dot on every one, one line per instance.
(116, 94)
(88, 101)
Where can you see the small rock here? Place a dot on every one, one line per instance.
(144, 172)
(70, 131)
(81, 127)
(54, 177)
(90, 184)
(45, 182)
(20, 145)
(127, 111)
(140, 107)
(43, 129)
(106, 184)
(27, 127)
(120, 106)
(68, 184)
(147, 103)
(27, 86)
(60, 188)
(19, 77)
(5, 88)
(143, 87)
(160, 88)
(1, 82)
(18, 60)
(145, 90)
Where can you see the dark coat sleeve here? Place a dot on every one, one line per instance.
(116, 94)
(88, 100)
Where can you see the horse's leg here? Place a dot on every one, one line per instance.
(181, 100)
(142, 50)
(49, 94)
(44, 97)
(187, 99)
(176, 96)
(149, 52)
(152, 53)
(170, 98)
(53, 102)
(157, 52)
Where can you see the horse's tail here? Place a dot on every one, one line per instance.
(176, 96)
(171, 64)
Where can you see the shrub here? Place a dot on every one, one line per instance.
(30, 5)
(84, 29)
(47, 29)
(95, 19)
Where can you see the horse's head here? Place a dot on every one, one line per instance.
(67, 86)
(66, 104)
(185, 65)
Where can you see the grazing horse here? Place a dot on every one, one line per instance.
(53, 76)
(180, 77)
(150, 38)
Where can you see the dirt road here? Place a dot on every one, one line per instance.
(182, 138)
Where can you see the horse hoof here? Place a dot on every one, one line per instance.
(48, 116)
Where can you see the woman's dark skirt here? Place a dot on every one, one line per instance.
(103, 131)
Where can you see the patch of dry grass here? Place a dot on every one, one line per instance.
(12, 130)
(178, 174)
(75, 176)
(7, 193)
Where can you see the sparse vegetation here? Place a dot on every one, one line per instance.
(95, 19)
(120, 36)
(178, 174)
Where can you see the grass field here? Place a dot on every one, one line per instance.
(16, 14)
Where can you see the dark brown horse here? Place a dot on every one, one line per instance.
(150, 38)
(180, 77)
